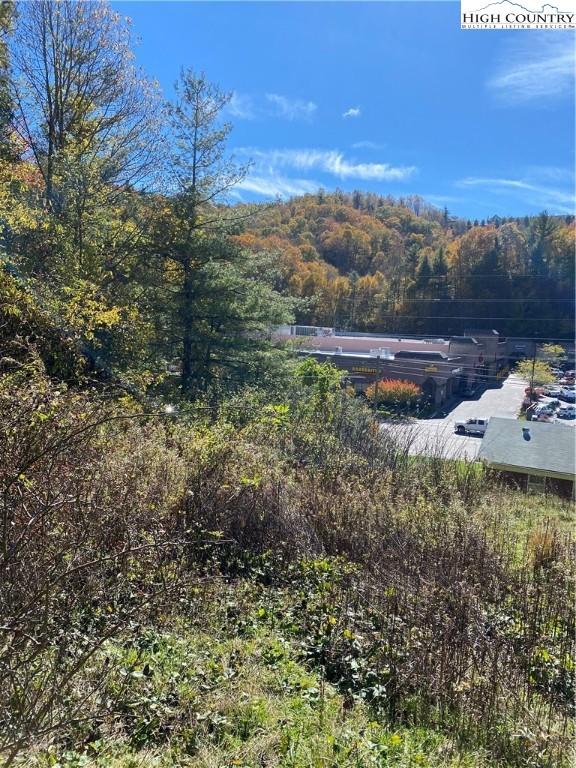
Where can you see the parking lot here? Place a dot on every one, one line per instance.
(436, 437)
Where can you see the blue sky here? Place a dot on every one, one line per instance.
(386, 97)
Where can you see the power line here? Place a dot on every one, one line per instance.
(517, 300)
(485, 319)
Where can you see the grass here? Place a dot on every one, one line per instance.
(201, 699)
(294, 590)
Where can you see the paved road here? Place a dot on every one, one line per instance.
(436, 436)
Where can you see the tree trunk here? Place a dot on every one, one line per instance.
(187, 326)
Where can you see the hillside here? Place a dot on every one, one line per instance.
(271, 582)
(367, 263)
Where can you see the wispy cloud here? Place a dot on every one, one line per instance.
(535, 68)
(329, 161)
(368, 145)
(242, 106)
(558, 199)
(352, 112)
(245, 106)
(277, 186)
(291, 109)
(336, 164)
(288, 172)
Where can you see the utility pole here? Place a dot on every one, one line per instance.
(533, 370)
(377, 382)
(533, 398)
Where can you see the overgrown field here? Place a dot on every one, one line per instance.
(274, 583)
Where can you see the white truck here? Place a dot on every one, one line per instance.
(471, 426)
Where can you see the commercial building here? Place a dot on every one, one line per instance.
(442, 368)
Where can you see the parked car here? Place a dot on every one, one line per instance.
(553, 391)
(471, 426)
(568, 395)
(548, 408)
(567, 412)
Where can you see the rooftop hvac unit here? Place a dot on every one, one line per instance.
(384, 352)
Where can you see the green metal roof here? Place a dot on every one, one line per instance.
(530, 447)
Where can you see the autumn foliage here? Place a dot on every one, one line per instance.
(396, 391)
(372, 263)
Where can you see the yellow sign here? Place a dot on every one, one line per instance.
(362, 369)
(431, 368)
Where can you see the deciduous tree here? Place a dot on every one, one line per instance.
(80, 100)
(536, 372)
(6, 104)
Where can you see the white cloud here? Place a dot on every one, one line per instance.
(274, 186)
(329, 161)
(531, 191)
(352, 112)
(242, 106)
(535, 68)
(336, 164)
(250, 107)
(472, 182)
(291, 109)
(271, 171)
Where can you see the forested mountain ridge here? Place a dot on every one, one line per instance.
(365, 262)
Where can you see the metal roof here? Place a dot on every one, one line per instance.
(408, 354)
(464, 340)
(480, 332)
(530, 447)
